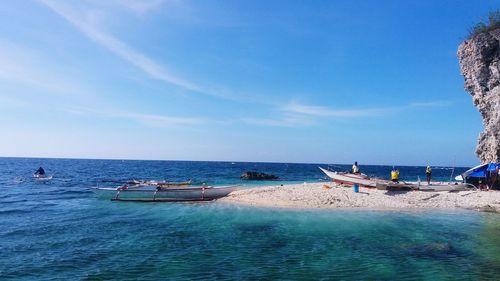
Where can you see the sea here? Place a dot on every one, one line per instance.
(59, 230)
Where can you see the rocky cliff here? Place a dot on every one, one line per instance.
(479, 59)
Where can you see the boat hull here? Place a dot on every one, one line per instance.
(443, 186)
(436, 186)
(41, 177)
(164, 195)
(350, 179)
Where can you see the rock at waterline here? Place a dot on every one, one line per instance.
(257, 176)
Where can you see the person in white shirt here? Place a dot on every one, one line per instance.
(355, 168)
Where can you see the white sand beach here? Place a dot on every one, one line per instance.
(314, 195)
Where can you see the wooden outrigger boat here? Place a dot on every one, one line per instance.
(158, 194)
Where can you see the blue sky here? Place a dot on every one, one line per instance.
(274, 81)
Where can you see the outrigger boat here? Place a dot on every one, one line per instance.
(350, 178)
(152, 193)
(442, 186)
(433, 186)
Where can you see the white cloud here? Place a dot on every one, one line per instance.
(440, 103)
(162, 121)
(83, 21)
(29, 69)
(287, 121)
(296, 114)
(149, 120)
(322, 111)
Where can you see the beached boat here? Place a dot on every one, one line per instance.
(399, 186)
(152, 193)
(349, 178)
(433, 186)
(442, 186)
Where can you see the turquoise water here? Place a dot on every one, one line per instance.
(57, 230)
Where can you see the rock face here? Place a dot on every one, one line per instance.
(479, 59)
(257, 176)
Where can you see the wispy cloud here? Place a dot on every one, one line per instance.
(439, 103)
(148, 120)
(29, 69)
(82, 20)
(296, 114)
(287, 121)
(161, 121)
(323, 111)
(87, 21)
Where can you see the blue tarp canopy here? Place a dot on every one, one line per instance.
(480, 172)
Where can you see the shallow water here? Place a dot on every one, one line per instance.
(58, 230)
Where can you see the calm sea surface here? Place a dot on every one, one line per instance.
(58, 230)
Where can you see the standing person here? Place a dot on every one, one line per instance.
(495, 177)
(395, 175)
(428, 174)
(355, 168)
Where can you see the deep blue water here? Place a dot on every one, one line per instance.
(58, 230)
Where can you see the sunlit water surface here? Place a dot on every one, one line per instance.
(58, 230)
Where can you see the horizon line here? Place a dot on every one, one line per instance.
(229, 161)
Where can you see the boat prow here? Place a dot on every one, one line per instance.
(349, 178)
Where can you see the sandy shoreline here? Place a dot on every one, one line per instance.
(313, 195)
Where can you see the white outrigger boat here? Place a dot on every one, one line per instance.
(349, 178)
(151, 193)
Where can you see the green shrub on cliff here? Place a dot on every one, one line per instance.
(492, 22)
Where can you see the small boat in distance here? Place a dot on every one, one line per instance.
(41, 175)
(44, 177)
(151, 193)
